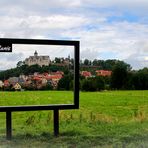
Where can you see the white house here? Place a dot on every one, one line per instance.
(1, 84)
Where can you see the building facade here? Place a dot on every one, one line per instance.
(103, 72)
(39, 60)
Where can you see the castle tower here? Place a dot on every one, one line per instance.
(35, 54)
(69, 56)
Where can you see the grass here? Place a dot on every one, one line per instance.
(35, 98)
(108, 119)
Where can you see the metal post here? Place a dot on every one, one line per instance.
(56, 122)
(8, 125)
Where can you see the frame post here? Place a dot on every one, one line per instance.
(8, 125)
(56, 122)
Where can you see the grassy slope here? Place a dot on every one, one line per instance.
(105, 119)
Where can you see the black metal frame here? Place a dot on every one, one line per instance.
(54, 107)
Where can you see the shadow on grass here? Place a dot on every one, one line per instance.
(68, 139)
(129, 139)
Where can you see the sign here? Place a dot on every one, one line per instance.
(5, 47)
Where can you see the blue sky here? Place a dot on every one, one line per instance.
(105, 28)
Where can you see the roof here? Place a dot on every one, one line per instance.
(53, 77)
(37, 78)
(47, 77)
(86, 73)
(6, 82)
(103, 72)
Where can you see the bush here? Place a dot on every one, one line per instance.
(93, 84)
(88, 85)
(65, 83)
(99, 82)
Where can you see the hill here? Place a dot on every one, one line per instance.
(86, 65)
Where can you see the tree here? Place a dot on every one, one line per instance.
(119, 76)
(65, 83)
(44, 69)
(33, 68)
(20, 63)
(88, 85)
(57, 60)
(93, 84)
(47, 87)
(140, 79)
(99, 82)
(95, 62)
(87, 62)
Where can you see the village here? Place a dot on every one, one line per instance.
(39, 81)
(35, 81)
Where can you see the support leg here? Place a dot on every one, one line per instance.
(56, 122)
(8, 125)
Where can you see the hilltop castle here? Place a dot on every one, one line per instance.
(40, 60)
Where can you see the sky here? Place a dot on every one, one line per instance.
(106, 29)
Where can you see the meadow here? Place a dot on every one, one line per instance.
(107, 119)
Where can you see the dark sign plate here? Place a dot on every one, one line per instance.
(5, 47)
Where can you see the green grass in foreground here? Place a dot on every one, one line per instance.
(105, 119)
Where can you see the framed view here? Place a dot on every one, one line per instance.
(36, 67)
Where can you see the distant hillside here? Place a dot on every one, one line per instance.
(25, 69)
(85, 65)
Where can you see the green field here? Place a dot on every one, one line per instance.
(109, 119)
(35, 98)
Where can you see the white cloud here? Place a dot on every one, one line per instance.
(146, 58)
(9, 60)
(38, 22)
(55, 22)
(83, 20)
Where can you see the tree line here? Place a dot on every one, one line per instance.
(122, 78)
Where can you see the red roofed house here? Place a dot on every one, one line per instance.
(41, 80)
(6, 83)
(37, 78)
(86, 74)
(103, 72)
(54, 79)
(59, 73)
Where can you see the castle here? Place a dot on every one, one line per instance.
(40, 60)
